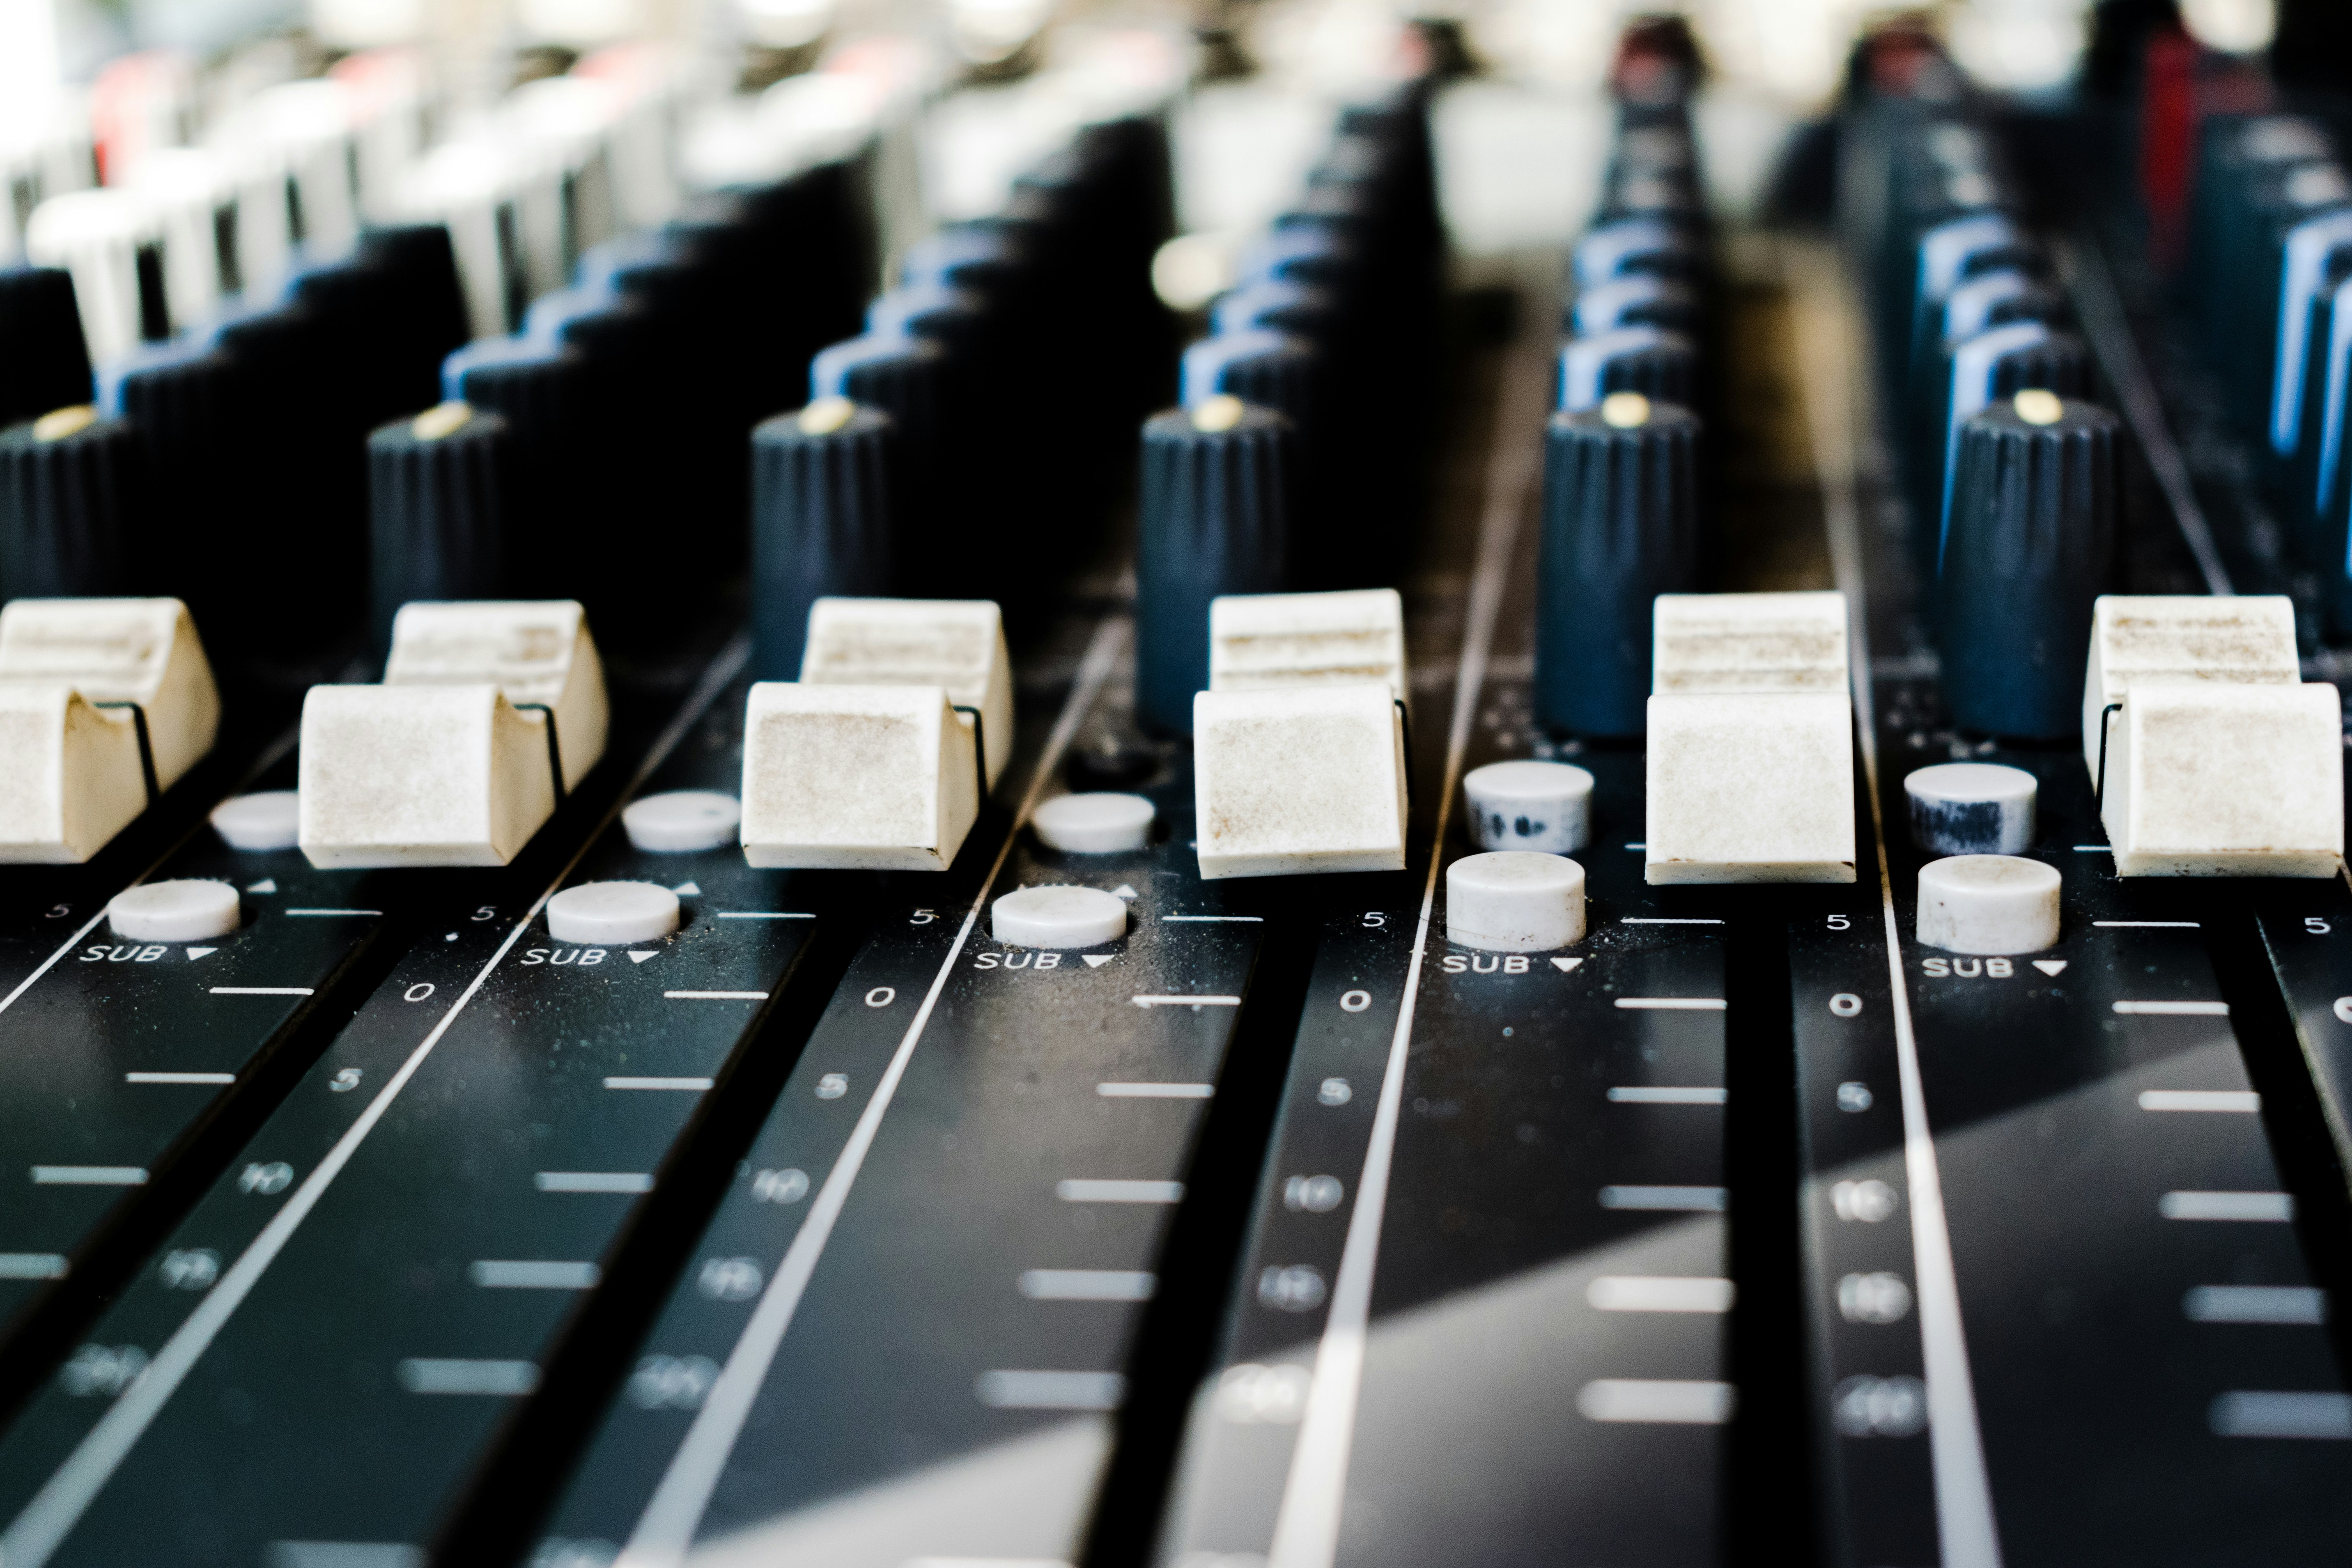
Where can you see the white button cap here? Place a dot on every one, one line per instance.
(678, 821)
(1058, 917)
(1515, 901)
(1101, 823)
(612, 912)
(1971, 808)
(173, 912)
(1544, 807)
(1988, 904)
(266, 819)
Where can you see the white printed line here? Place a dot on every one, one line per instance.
(761, 915)
(1199, 920)
(2146, 925)
(37, 1533)
(1662, 920)
(1672, 1003)
(2255, 1304)
(1086, 1285)
(696, 1084)
(1662, 1401)
(84, 1177)
(179, 1078)
(1307, 1528)
(715, 995)
(665, 1529)
(1037, 1391)
(2245, 1208)
(2093, 850)
(32, 1266)
(1658, 1293)
(261, 990)
(1683, 1200)
(1109, 1191)
(593, 1182)
(2223, 1099)
(1644, 1095)
(331, 911)
(1188, 1001)
(426, 1374)
(2174, 1009)
(1637, 846)
(1155, 1091)
(1832, 372)
(2242, 1413)
(533, 1274)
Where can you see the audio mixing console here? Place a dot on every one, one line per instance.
(945, 787)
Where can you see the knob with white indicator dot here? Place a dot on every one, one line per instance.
(1989, 904)
(44, 360)
(613, 913)
(1661, 366)
(69, 497)
(437, 512)
(1971, 808)
(823, 521)
(1058, 918)
(681, 821)
(266, 819)
(1543, 807)
(1098, 822)
(1515, 901)
(1620, 527)
(184, 911)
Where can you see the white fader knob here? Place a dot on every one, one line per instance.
(183, 910)
(1543, 807)
(1971, 808)
(1988, 904)
(1058, 917)
(1515, 901)
(612, 912)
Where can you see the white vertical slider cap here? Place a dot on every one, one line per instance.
(1515, 901)
(2207, 779)
(71, 776)
(1756, 788)
(1543, 807)
(2181, 636)
(876, 778)
(681, 821)
(1262, 640)
(447, 763)
(1713, 644)
(1058, 917)
(957, 644)
(1299, 780)
(1989, 904)
(181, 910)
(613, 912)
(1971, 808)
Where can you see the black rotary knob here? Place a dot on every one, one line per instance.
(1621, 527)
(821, 521)
(1661, 366)
(1989, 367)
(439, 523)
(189, 404)
(2032, 532)
(71, 494)
(44, 362)
(908, 379)
(1215, 520)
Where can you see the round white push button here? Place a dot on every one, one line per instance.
(1058, 917)
(1515, 901)
(173, 912)
(1988, 904)
(271, 819)
(1545, 806)
(681, 820)
(612, 912)
(1971, 808)
(1095, 823)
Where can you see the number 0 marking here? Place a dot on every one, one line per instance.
(1355, 1001)
(418, 992)
(1845, 1003)
(881, 996)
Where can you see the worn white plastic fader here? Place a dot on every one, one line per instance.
(1262, 640)
(488, 713)
(957, 644)
(2219, 759)
(1750, 753)
(80, 680)
(873, 778)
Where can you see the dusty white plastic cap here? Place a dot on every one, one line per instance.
(1515, 901)
(185, 911)
(266, 819)
(1988, 904)
(1971, 808)
(1058, 917)
(1100, 823)
(613, 912)
(678, 821)
(1544, 807)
